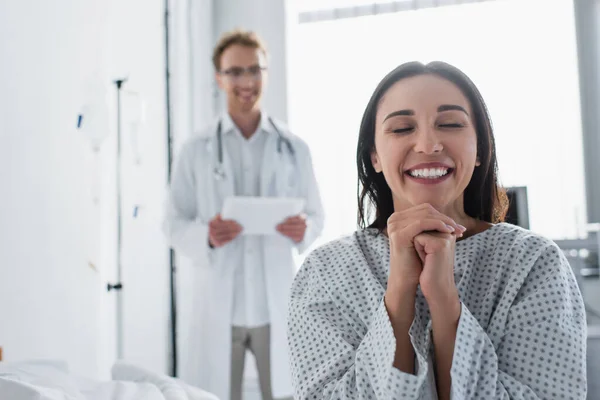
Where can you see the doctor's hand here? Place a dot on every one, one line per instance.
(222, 231)
(293, 228)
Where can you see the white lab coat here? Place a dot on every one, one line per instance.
(195, 197)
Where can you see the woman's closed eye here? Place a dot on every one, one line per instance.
(452, 125)
(403, 130)
(406, 129)
(409, 129)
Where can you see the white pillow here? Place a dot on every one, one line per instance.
(48, 377)
(128, 372)
(16, 390)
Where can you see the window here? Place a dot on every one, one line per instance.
(312, 5)
(524, 65)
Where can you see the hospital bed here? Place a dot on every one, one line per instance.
(52, 380)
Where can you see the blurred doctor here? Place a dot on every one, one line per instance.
(242, 282)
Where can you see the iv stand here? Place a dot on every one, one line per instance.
(118, 287)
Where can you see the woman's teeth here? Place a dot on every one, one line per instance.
(430, 173)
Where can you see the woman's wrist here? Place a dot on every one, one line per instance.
(445, 314)
(400, 304)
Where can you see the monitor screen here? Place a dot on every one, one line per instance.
(518, 209)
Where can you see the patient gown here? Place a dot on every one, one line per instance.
(521, 332)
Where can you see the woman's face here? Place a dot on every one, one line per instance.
(425, 143)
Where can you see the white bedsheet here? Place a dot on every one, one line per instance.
(51, 380)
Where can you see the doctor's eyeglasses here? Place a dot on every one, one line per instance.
(236, 73)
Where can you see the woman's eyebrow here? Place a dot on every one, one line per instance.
(397, 113)
(451, 107)
(442, 108)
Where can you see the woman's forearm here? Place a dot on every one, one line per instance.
(444, 323)
(400, 305)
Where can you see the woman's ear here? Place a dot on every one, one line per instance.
(375, 162)
(477, 162)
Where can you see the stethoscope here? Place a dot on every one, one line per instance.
(220, 170)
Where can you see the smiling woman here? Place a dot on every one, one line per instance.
(436, 297)
(433, 134)
(536, 123)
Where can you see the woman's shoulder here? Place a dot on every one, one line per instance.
(509, 237)
(365, 240)
(360, 249)
(508, 247)
(350, 271)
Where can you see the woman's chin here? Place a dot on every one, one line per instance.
(437, 202)
(440, 201)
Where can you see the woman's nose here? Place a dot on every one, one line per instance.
(428, 142)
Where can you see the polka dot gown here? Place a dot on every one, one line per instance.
(521, 333)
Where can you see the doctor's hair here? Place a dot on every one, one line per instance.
(484, 198)
(240, 37)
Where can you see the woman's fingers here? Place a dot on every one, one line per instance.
(405, 237)
(420, 251)
(422, 212)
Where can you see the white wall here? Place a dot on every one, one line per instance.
(48, 293)
(53, 304)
